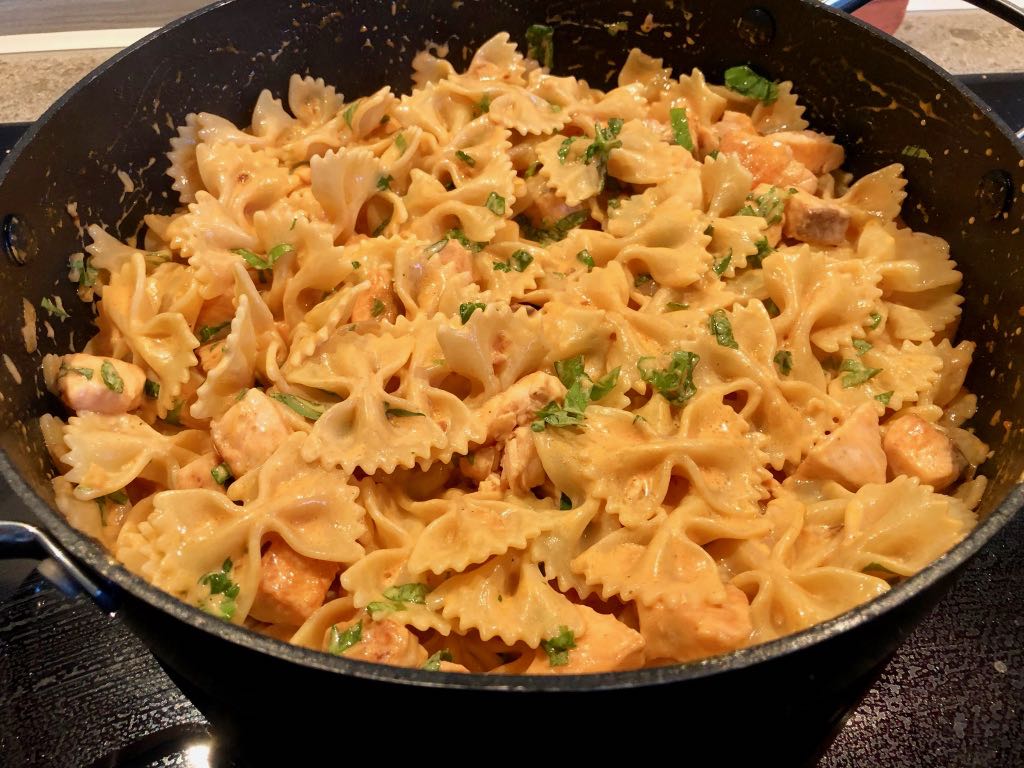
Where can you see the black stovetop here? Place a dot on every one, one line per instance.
(77, 689)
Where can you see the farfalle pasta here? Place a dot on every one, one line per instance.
(512, 375)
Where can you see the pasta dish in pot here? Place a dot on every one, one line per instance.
(511, 374)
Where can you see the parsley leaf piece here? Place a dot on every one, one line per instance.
(221, 474)
(118, 497)
(377, 308)
(379, 229)
(384, 182)
(380, 606)
(254, 260)
(763, 251)
(531, 169)
(564, 502)
(675, 382)
(570, 371)
(435, 248)
(434, 662)
(65, 370)
(111, 377)
(495, 204)
(784, 362)
(521, 260)
(674, 306)
(721, 265)
(680, 127)
(54, 309)
(570, 414)
(401, 143)
(769, 206)
(174, 413)
(501, 266)
(295, 220)
(876, 320)
(340, 641)
(278, 251)
(467, 309)
(398, 412)
(467, 159)
(918, 152)
(856, 373)
(721, 329)
(713, 154)
(642, 279)
(540, 44)
(605, 384)
(356, 265)
(483, 106)
(408, 593)
(557, 648)
(861, 345)
(885, 397)
(747, 82)
(460, 237)
(221, 583)
(151, 388)
(584, 257)
(564, 147)
(305, 408)
(771, 307)
(207, 332)
(349, 112)
(600, 149)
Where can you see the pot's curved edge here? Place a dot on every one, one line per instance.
(92, 553)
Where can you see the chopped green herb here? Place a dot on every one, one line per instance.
(642, 279)
(614, 204)
(876, 320)
(459, 236)
(605, 384)
(467, 309)
(861, 346)
(221, 474)
(256, 261)
(570, 370)
(483, 106)
(65, 369)
(747, 82)
(675, 382)
(379, 229)
(377, 308)
(339, 641)
(118, 497)
(81, 272)
(771, 307)
(554, 233)
(356, 265)
(531, 169)
(713, 154)
(501, 266)
(379, 606)
(721, 329)
(877, 568)
(784, 362)
(401, 143)
(495, 204)
(710, 230)
(521, 260)
(385, 120)
(465, 158)
(540, 44)
(305, 408)
(564, 502)
(680, 127)
(584, 257)
(722, 264)
(295, 220)
(278, 251)
(578, 395)
(221, 583)
(174, 413)
(675, 306)
(434, 662)
(885, 397)
(763, 251)
(600, 149)
(111, 377)
(769, 206)
(151, 388)
(408, 593)
(207, 332)
(156, 258)
(384, 182)
(856, 373)
(350, 112)
(389, 411)
(437, 247)
(557, 648)
(637, 419)
(564, 147)
(55, 309)
(914, 151)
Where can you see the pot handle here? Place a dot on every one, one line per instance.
(21, 540)
(1002, 9)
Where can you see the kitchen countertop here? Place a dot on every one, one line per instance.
(961, 41)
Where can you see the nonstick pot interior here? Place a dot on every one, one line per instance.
(876, 97)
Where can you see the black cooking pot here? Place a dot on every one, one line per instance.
(781, 700)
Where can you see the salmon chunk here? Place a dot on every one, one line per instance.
(813, 150)
(694, 631)
(292, 586)
(99, 384)
(769, 161)
(813, 220)
(852, 455)
(199, 473)
(248, 432)
(606, 645)
(518, 404)
(919, 449)
(387, 642)
(378, 303)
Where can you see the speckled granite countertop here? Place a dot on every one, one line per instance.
(962, 42)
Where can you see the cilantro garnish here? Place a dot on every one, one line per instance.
(769, 206)
(722, 264)
(207, 332)
(861, 345)
(220, 583)
(581, 391)
(305, 408)
(389, 411)
(54, 309)
(557, 648)
(495, 204)
(384, 182)
(721, 329)
(680, 127)
(584, 257)
(467, 309)
(434, 662)
(540, 44)
(465, 158)
(221, 474)
(856, 373)
(111, 377)
(675, 382)
(460, 237)
(341, 641)
(599, 150)
(784, 362)
(763, 251)
(747, 82)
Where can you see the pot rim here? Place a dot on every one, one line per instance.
(92, 553)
